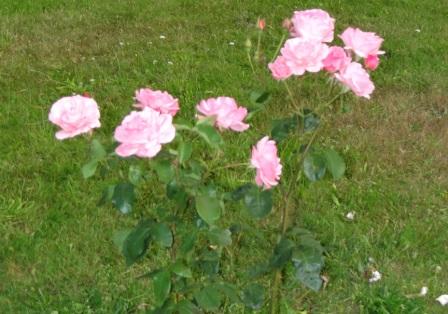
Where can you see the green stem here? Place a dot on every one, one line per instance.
(250, 62)
(257, 52)
(278, 48)
(291, 96)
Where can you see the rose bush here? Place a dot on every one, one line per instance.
(192, 200)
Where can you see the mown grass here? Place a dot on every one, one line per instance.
(56, 252)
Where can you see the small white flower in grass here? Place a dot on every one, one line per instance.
(154, 61)
(92, 80)
(376, 276)
(170, 62)
(443, 299)
(438, 269)
(350, 215)
(231, 43)
(162, 37)
(418, 30)
(121, 43)
(423, 291)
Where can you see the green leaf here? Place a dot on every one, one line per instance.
(119, 237)
(258, 99)
(97, 151)
(123, 197)
(208, 208)
(180, 269)
(187, 243)
(229, 290)
(134, 174)
(282, 128)
(258, 202)
(162, 234)
(209, 134)
(137, 242)
(282, 254)
(177, 193)
(162, 286)
(334, 162)
(185, 150)
(106, 195)
(238, 194)
(164, 170)
(186, 307)
(221, 237)
(209, 298)
(253, 296)
(89, 169)
(311, 120)
(314, 166)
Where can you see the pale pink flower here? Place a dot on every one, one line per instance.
(304, 55)
(313, 24)
(362, 43)
(355, 77)
(226, 112)
(74, 115)
(265, 160)
(279, 69)
(142, 133)
(336, 60)
(371, 62)
(261, 24)
(157, 100)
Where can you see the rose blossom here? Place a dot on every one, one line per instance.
(227, 113)
(362, 43)
(304, 55)
(265, 160)
(157, 100)
(74, 115)
(357, 79)
(142, 133)
(371, 62)
(261, 24)
(336, 60)
(279, 69)
(313, 24)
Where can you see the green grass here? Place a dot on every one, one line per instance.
(56, 252)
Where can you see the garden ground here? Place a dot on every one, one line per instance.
(56, 251)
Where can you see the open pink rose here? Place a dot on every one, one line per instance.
(336, 60)
(157, 100)
(371, 62)
(142, 133)
(279, 69)
(227, 113)
(355, 77)
(304, 55)
(74, 115)
(362, 43)
(265, 160)
(313, 24)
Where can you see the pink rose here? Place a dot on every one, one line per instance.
(362, 43)
(313, 24)
(304, 55)
(357, 79)
(227, 113)
(74, 115)
(265, 160)
(142, 133)
(336, 60)
(371, 62)
(279, 69)
(157, 100)
(261, 24)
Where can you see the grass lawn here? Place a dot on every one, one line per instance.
(56, 249)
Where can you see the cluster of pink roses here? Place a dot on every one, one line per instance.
(142, 133)
(307, 51)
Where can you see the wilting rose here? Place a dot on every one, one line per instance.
(157, 100)
(142, 133)
(74, 115)
(304, 55)
(227, 113)
(371, 62)
(355, 77)
(362, 43)
(313, 24)
(336, 60)
(279, 69)
(265, 160)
